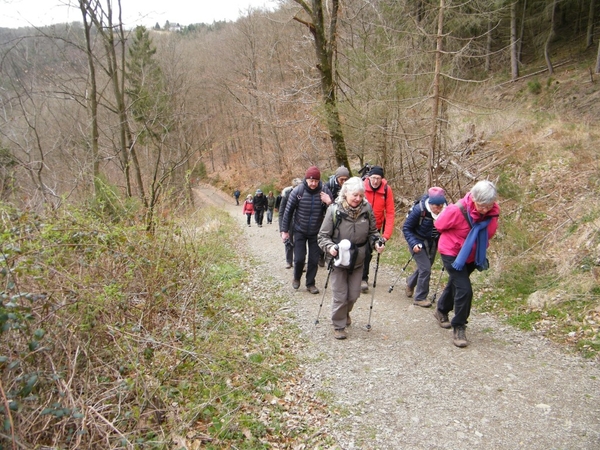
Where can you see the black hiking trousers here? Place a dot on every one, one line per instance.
(458, 293)
(301, 242)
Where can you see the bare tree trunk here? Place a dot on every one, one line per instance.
(436, 96)
(488, 47)
(590, 26)
(598, 59)
(551, 34)
(92, 97)
(514, 47)
(325, 47)
(116, 73)
(521, 32)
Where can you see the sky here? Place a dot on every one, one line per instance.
(22, 13)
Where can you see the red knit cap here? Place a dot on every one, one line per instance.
(313, 173)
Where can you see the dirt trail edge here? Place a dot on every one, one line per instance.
(403, 385)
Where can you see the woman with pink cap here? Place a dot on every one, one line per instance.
(422, 239)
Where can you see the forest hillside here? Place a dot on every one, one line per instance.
(128, 120)
(134, 316)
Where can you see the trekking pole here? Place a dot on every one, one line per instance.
(329, 270)
(401, 272)
(438, 285)
(373, 291)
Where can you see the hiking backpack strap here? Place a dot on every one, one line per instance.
(464, 212)
(423, 212)
(336, 216)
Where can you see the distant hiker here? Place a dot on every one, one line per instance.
(349, 227)
(260, 206)
(422, 239)
(236, 194)
(379, 194)
(304, 214)
(248, 208)
(289, 243)
(465, 230)
(270, 207)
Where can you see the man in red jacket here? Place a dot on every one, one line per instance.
(379, 194)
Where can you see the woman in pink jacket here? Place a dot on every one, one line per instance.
(248, 208)
(465, 230)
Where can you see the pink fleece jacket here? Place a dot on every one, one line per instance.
(454, 228)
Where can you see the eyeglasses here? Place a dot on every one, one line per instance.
(483, 207)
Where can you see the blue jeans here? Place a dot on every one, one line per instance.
(458, 293)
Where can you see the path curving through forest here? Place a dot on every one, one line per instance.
(403, 385)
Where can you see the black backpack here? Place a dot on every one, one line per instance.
(423, 209)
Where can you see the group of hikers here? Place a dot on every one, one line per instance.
(342, 221)
(257, 206)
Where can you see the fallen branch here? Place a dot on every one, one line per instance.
(532, 74)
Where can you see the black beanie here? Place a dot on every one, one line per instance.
(376, 170)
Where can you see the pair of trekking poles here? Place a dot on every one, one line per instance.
(402, 273)
(391, 288)
(330, 269)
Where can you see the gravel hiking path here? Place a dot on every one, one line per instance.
(404, 385)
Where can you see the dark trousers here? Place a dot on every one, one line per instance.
(420, 277)
(289, 249)
(458, 293)
(289, 246)
(367, 263)
(258, 216)
(249, 216)
(301, 242)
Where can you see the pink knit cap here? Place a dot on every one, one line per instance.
(437, 196)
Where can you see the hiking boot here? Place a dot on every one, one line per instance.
(459, 337)
(312, 289)
(296, 284)
(442, 318)
(422, 303)
(288, 265)
(409, 291)
(348, 321)
(364, 286)
(340, 333)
